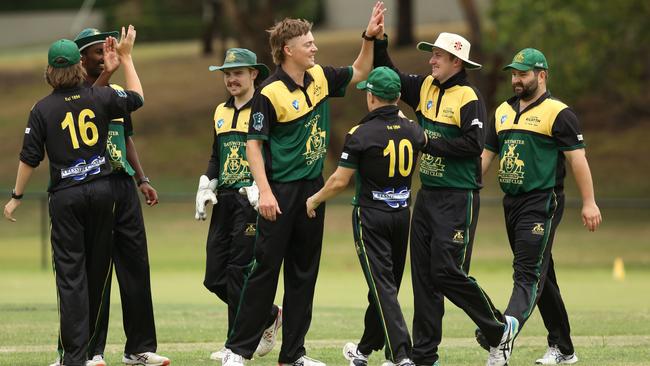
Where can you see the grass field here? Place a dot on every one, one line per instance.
(610, 319)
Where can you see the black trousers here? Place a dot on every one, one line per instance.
(531, 221)
(131, 263)
(296, 240)
(442, 234)
(229, 249)
(81, 224)
(381, 240)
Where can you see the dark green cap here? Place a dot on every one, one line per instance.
(63, 53)
(241, 57)
(91, 36)
(528, 59)
(382, 82)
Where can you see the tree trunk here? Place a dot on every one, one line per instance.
(250, 22)
(404, 23)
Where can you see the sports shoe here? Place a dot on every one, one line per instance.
(218, 355)
(145, 359)
(500, 354)
(387, 363)
(267, 342)
(481, 340)
(97, 360)
(303, 361)
(232, 359)
(57, 362)
(554, 356)
(404, 362)
(352, 354)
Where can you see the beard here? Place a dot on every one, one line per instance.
(528, 91)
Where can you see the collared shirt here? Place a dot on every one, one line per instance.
(72, 126)
(383, 149)
(530, 143)
(228, 161)
(452, 114)
(293, 121)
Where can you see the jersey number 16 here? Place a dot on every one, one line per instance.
(87, 129)
(403, 154)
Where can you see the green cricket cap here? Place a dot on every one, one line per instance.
(63, 53)
(382, 82)
(528, 59)
(241, 57)
(91, 36)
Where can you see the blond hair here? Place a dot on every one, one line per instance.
(65, 77)
(282, 32)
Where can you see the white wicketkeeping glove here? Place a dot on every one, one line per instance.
(205, 194)
(252, 193)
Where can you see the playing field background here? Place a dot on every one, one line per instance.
(610, 318)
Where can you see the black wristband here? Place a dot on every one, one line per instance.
(143, 180)
(364, 36)
(14, 195)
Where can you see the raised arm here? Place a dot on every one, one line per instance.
(591, 217)
(363, 64)
(124, 48)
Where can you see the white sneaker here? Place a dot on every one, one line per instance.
(97, 360)
(554, 356)
(352, 354)
(57, 362)
(304, 361)
(387, 363)
(267, 342)
(218, 355)
(232, 359)
(146, 359)
(500, 354)
(406, 362)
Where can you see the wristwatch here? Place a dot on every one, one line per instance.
(367, 38)
(14, 195)
(143, 180)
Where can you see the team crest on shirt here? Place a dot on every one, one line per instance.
(295, 104)
(220, 123)
(538, 229)
(504, 118)
(235, 168)
(315, 147)
(459, 237)
(429, 104)
(114, 153)
(511, 168)
(250, 229)
(258, 121)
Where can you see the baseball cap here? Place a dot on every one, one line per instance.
(528, 59)
(91, 36)
(241, 57)
(382, 82)
(454, 44)
(63, 53)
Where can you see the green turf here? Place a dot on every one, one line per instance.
(610, 319)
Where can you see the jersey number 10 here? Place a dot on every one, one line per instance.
(403, 154)
(87, 129)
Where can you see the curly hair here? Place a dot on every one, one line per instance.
(282, 32)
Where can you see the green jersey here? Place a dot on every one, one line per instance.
(118, 130)
(530, 143)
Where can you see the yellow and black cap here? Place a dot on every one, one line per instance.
(91, 36)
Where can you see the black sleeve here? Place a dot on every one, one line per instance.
(491, 138)
(411, 83)
(128, 125)
(119, 103)
(33, 150)
(566, 131)
(213, 164)
(262, 117)
(472, 139)
(418, 136)
(352, 149)
(338, 79)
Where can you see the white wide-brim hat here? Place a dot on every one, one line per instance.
(454, 44)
